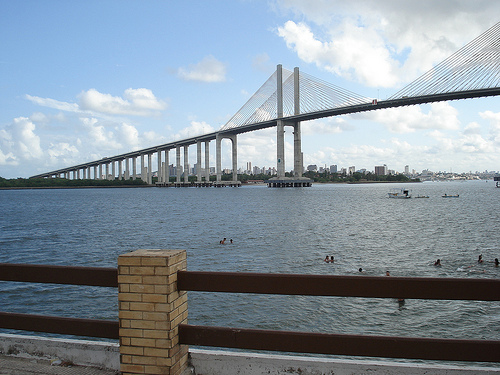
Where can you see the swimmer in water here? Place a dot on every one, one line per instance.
(332, 259)
(480, 258)
(401, 301)
(496, 262)
(327, 260)
(437, 262)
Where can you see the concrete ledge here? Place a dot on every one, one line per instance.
(218, 362)
(213, 362)
(99, 354)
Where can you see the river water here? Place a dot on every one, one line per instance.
(273, 230)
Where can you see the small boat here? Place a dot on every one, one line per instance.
(450, 195)
(401, 194)
(422, 196)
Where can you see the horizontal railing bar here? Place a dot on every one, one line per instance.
(60, 325)
(341, 286)
(351, 345)
(37, 273)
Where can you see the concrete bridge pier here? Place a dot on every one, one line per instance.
(218, 154)
(198, 161)
(150, 175)
(120, 170)
(134, 167)
(178, 164)
(186, 164)
(167, 167)
(160, 171)
(207, 161)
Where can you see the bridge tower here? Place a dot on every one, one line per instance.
(298, 165)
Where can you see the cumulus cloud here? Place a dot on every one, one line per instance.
(207, 70)
(383, 43)
(358, 55)
(19, 142)
(441, 115)
(194, 129)
(329, 125)
(137, 102)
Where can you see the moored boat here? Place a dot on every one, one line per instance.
(400, 194)
(450, 195)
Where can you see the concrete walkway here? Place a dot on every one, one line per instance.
(12, 365)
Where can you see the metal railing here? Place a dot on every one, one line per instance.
(289, 284)
(31, 273)
(342, 286)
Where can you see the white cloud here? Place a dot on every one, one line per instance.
(441, 115)
(329, 125)
(195, 128)
(137, 102)
(358, 55)
(52, 103)
(383, 43)
(207, 70)
(19, 142)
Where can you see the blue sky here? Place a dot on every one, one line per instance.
(82, 80)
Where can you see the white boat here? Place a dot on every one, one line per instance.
(400, 194)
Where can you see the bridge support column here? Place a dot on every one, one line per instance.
(160, 172)
(186, 164)
(235, 157)
(113, 169)
(100, 172)
(178, 164)
(280, 126)
(95, 172)
(167, 167)
(207, 161)
(280, 142)
(298, 165)
(149, 170)
(198, 161)
(126, 171)
(134, 167)
(143, 177)
(218, 157)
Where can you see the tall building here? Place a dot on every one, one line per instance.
(352, 170)
(381, 170)
(407, 169)
(333, 168)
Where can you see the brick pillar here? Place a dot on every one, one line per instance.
(150, 311)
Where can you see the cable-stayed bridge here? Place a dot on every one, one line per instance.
(289, 97)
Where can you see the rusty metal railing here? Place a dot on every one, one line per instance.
(299, 342)
(342, 286)
(32, 273)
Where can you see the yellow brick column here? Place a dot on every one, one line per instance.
(150, 311)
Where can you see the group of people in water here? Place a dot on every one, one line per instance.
(223, 241)
(437, 263)
(329, 260)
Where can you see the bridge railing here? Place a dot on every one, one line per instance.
(90, 276)
(342, 286)
(153, 329)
